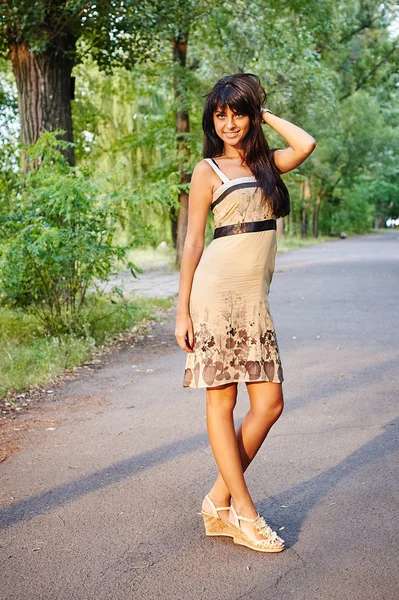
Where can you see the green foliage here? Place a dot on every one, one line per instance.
(353, 215)
(308, 57)
(292, 242)
(18, 326)
(127, 127)
(39, 22)
(39, 360)
(9, 155)
(329, 67)
(29, 357)
(104, 322)
(57, 241)
(117, 32)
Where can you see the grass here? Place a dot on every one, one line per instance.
(152, 258)
(29, 358)
(284, 244)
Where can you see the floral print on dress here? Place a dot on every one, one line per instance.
(242, 205)
(245, 350)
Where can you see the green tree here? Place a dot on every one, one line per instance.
(362, 57)
(41, 40)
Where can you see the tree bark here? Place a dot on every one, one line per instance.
(179, 223)
(173, 213)
(316, 221)
(305, 208)
(316, 214)
(45, 89)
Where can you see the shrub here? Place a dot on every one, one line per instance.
(57, 241)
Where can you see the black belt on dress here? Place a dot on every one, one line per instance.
(244, 228)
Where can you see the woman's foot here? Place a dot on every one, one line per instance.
(218, 501)
(256, 531)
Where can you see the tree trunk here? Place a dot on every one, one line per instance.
(305, 208)
(44, 91)
(179, 228)
(173, 213)
(316, 213)
(316, 221)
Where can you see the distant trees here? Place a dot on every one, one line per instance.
(331, 67)
(187, 15)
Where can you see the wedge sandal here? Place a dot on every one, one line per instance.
(214, 525)
(271, 542)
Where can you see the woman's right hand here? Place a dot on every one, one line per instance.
(184, 332)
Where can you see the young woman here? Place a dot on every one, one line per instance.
(223, 320)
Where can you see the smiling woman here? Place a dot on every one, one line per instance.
(223, 318)
(230, 124)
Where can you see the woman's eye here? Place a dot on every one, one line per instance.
(222, 115)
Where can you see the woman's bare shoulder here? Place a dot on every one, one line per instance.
(204, 181)
(202, 167)
(204, 174)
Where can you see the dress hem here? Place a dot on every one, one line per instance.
(240, 380)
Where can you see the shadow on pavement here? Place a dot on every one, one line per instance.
(301, 498)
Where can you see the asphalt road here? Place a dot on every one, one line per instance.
(101, 500)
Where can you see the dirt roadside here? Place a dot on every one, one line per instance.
(38, 409)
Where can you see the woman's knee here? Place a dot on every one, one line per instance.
(271, 411)
(266, 405)
(278, 407)
(221, 398)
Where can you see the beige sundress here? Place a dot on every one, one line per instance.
(234, 335)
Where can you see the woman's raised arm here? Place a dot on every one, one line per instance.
(301, 143)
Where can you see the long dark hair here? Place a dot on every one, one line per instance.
(244, 94)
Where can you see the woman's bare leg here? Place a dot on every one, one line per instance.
(266, 401)
(220, 403)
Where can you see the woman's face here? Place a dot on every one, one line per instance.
(231, 127)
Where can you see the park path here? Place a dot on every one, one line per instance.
(101, 500)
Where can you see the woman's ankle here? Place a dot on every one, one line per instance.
(220, 496)
(219, 500)
(245, 508)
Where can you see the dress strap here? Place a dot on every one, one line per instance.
(215, 167)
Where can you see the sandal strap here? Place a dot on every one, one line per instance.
(241, 517)
(247, 518)
(214, 508)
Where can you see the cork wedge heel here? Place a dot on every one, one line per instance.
(214, 525)
(271, 542)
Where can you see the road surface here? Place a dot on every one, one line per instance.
(101, 499)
